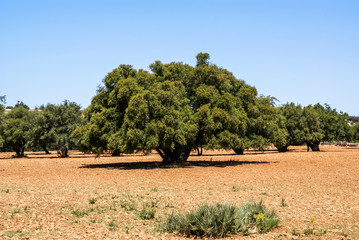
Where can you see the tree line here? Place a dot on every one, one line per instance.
(173, 109)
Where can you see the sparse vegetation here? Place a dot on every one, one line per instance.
(221, 219)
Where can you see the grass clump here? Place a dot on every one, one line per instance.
(147, 212)
(221, 219)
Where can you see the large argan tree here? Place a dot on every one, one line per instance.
(173, 109)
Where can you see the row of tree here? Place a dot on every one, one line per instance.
(174, 109)
(46, 128)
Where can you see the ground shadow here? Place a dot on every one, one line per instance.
(155, 165)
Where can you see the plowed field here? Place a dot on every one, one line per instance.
(83, 197)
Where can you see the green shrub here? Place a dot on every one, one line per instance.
(147, 212)
(221, 219)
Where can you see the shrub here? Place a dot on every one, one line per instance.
(147, 212)
(221, 219)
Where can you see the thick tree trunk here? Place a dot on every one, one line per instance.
(282, 148)
(173, 157)
(200, 151)
(116, 153)
(63, 152)
(238, 151)
(314, 146)
(45, 149)
(20, 152)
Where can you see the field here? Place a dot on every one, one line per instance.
(83, 197)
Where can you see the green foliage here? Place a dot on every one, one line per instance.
(16, 129)
(334, 125)
(81, 213)
(147, 212)
(295, 126)
(222, 219)
(2, 109)
(53, 125)
(173, 110)
(308, 231)
(355, 132)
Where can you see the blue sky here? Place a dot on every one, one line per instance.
(295, 50)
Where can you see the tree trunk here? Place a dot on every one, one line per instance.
(63, 152)
(315, 146)
(238, 151)
(20, 152)
(45, 149)
(200, 151)
(282, 148)
(116, 153)
(173, 157)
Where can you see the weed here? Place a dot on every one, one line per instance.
(147, 212)
(5, 191)
(321, 231)
(294, 232)
(112, 225)
(308, 231)
(264, 194)
(92, 220)
(236, 188)
(154, 189)
(222, 219)
(15, 211)
(92, 200)
(17, 234)
(283, 203)
(129, 205)
(82, 213)
(26, 209)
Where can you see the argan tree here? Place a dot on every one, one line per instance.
(2, 109)
(17, 125)
(173, 109)
(334, 124)
(52, 127)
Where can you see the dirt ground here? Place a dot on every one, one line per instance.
(83, 197)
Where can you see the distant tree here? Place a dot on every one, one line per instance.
(355, 131)
(289, 127)
(17, 125)
(313, 133)
(22, 104)
(2, 108)
(334, 125)
(202, 59)
(53, 126)
(354, 119)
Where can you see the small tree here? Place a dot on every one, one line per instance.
(313, 134)
(17, 125)
(2, 109)
(334, 125)
(53, 126)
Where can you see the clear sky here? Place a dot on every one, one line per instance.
(301, 51)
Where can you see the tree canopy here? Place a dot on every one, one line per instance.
(173, 109)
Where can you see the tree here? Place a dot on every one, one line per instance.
(334, 125)
(288, 128)
(313, 133)
(53, 126)
(2, 109)
(173, 109)
(17, 125)
(355, 131)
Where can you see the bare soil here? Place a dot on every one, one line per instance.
(84, 197)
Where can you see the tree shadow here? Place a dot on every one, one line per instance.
(156, 165)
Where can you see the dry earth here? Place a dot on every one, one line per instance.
(83, 197)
